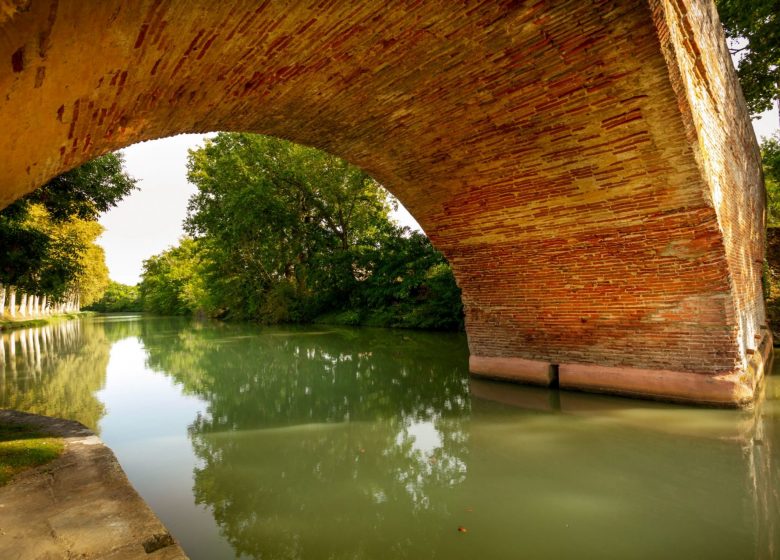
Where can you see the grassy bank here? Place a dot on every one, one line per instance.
(7, 324)
(22, 448)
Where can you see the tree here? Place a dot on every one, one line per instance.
(117, 298)
(84, 192)
(73, 264)
(410, 285)
(93, 280)
(770, 157)
(49, 235)
(278, 221)
(172, 281)
(285, 233)
(754, 25)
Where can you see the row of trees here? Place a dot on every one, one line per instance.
(279, 232)
(50, 262)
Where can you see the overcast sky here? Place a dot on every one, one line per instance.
(149, 220)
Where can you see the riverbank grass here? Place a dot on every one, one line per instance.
(23, 447)
(6, 323)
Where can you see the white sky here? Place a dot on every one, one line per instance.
(149, 220)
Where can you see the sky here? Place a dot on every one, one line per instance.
(150, 219)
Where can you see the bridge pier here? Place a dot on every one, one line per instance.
(732, 389)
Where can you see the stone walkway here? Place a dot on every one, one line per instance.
(80, 505)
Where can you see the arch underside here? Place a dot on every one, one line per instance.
(587, 167)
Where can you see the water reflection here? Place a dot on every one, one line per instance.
(704, 481)
(761, 447)
(351, 443)
(54, 370)
(311, 436)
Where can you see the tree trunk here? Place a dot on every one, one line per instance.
(36, 311)
(2, 300)
(23, 305)
(12, 301)
(44, 306)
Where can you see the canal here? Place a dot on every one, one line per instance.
(331, 442)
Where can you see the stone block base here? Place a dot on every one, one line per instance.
(733, 389)
(513, 369)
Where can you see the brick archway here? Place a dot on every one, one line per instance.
(588, 168)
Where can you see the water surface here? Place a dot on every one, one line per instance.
(330, 443)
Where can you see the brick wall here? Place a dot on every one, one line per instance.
(725, 147)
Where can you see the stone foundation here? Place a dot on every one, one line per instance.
(735, 389)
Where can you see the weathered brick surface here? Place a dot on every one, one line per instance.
(586, 165)
(725, 147)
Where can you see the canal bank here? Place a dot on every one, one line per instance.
(81, 505)
(14, 324)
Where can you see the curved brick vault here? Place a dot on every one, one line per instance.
(587, 166)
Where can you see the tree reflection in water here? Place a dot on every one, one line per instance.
(354, 443)
(311, 436)
(55, 370)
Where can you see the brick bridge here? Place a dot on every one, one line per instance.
(587, 166)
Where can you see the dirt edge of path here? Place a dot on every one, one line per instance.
(81, 505)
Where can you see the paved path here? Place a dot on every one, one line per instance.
(80, 505)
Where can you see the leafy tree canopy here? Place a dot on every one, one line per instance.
(118, 298)
(770, 157)
(756, 23)
(84, 192)
(286, 233)
(49, 235)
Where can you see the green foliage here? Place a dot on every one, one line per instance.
(410, 285)
(118, 298)
(757, 24)
(49, 235)
(285, 233)
(770, 158)
(73, 262)
(273, 212)
(84, 192)
(172, 281)
(25, 251)
(51, 258)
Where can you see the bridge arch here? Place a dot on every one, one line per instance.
(588, 168)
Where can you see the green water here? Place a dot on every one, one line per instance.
(331, 443)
